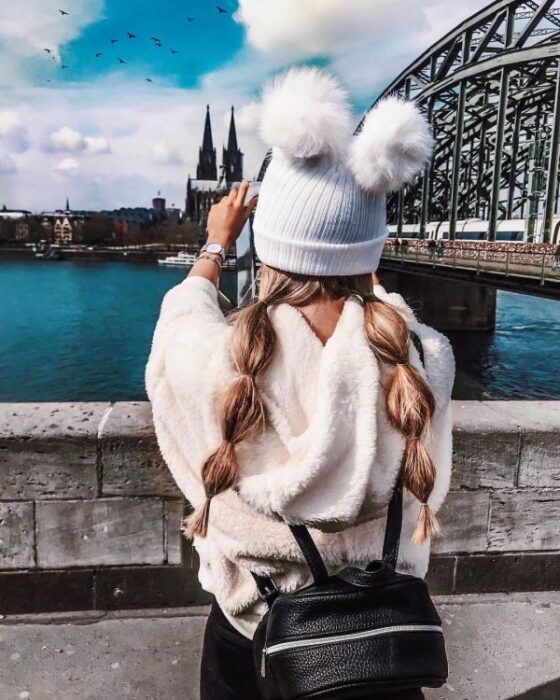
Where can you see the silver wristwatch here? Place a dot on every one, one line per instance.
(215, 248)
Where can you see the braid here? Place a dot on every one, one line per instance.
(410, 406)
(243, 411)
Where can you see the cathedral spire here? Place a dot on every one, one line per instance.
(206, 168)
(232, 157)
(67, 204)
(232, 137)
(207, 144)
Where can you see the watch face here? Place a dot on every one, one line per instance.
(214, 248)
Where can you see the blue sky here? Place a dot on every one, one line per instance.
(203, 44)
(99, 133)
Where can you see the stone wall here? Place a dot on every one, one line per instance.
(90, 517)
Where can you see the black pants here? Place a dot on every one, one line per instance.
(227, 672)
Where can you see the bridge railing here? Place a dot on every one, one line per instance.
(529, 260)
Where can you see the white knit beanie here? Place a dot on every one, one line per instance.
(321, 208)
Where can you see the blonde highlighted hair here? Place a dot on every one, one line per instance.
(410, 403)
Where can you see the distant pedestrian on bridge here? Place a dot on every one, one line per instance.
(431, 248)
(556, 261)
(309, 406)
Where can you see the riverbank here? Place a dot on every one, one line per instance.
(147, 255)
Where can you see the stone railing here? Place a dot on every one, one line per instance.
(90, 517)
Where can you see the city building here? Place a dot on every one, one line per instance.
(13, 214)
(209, 187)
(63, 225)
(19, 220)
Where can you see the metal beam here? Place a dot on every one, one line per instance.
(427, 179)
(448, 60)
(552, 177)
(537, 17)
(499, 145)
(498, 19)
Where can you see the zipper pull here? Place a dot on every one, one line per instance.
(263, 662)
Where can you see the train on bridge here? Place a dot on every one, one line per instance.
(472, 230)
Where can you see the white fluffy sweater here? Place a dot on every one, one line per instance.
(329, 457)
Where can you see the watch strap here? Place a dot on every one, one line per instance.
(221, 252)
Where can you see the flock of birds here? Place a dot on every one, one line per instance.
(156, 42)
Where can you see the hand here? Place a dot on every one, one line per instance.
(227, 218)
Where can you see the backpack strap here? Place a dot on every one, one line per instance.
(266, 586)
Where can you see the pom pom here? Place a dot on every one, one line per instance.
(395, 143)
(305, 114)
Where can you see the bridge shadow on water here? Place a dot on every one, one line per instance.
(548, 691)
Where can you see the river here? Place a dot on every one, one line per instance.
(81, 331)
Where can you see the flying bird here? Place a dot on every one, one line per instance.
(63, 12)
(121, 60)
(154, 38)
(47, 50)
(114, 41)
(64, 66)
(174, 51)
(221, 10)
(98, 54)
(190, 19)
(148, 80)
(131, 35)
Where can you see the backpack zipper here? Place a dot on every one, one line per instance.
(334, 638)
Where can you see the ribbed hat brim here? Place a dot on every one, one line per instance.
(329, 260)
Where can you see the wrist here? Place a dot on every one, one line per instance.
(215, 247)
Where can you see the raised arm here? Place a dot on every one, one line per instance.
(225, 223)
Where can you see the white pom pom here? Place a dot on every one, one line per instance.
(395, 143)
(305, 113)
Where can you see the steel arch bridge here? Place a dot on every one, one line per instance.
(491, 90)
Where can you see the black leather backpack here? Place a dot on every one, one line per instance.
(356, 634)
(352, 635)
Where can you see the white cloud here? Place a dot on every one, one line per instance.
(162, 153)
(68, 140)
(7, 164)
(96, 145)
(13, 134)
(67, 166)
(366, 42)
(246, 117)
(28, 28)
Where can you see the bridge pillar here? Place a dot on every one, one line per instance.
(444, 304)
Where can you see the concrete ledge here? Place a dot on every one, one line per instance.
(88, 505)
(500, 647)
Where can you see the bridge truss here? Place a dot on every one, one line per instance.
(491, 90)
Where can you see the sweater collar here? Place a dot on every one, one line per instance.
(291, 315)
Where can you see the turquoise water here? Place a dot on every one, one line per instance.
(81, 331)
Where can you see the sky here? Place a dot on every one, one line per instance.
(93, 128)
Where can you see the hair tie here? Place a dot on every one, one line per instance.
(401, 364)
(414, 437)
(359, 297)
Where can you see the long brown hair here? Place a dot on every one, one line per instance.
(410, 403)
